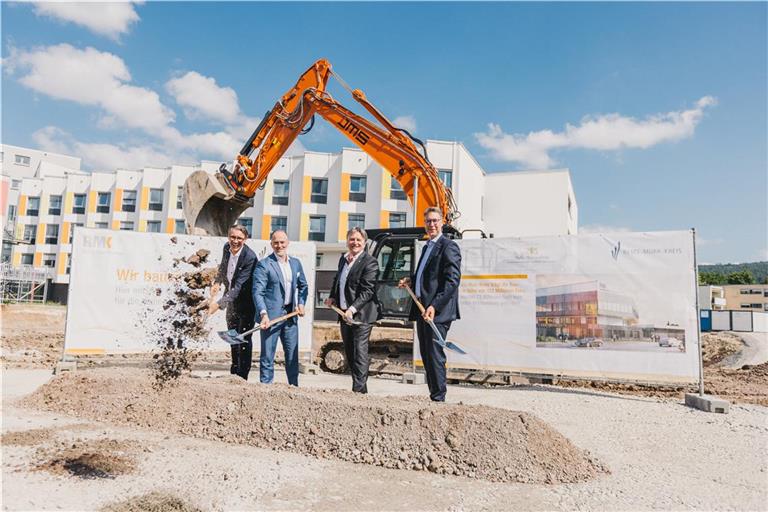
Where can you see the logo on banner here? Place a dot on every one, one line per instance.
(616, 251)
(97, 242)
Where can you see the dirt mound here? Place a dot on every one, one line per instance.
(405, 433)
(153, 502)
(88, 459)
(26, 437)
(716, 346)
(31, 335)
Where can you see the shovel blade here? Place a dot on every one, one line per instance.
(452, 346)
(231, 336)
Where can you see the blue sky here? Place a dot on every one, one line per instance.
(658, 109)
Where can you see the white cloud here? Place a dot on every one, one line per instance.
(202, 97)
(91, 77)
(406, 122)
(609, 132)
(110, 19)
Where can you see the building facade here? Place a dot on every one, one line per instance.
(746, 297)
(313, 196)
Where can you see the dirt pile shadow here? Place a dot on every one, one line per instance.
(157, 501)
(404, 433)
(88, 459)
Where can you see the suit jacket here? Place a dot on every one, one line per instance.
(237, 294)
(360, 288)
(440, 281)
(269, 288)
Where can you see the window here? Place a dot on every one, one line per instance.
(129, 201)
(156, 199)
(357, 188)
(72, 231)
(246, 222)
(27, 259)
(180, 198)
(30, 233)
(52, 234)
(33, 206)
(49, 260)
(280, 194)
(22, 160)
(446, 176)
(397, 220)
(79, 204)
(153, 226)
(395, 189)
(101, 225)
(318, 261)
(127, 225)
(319, 191)
(317, 228)
(180, 227)
(278, 223)
(356, 220)
(15, 184)
(11, 213)
(54, 206)
(102, 202)
(69, 263)
(5, 256)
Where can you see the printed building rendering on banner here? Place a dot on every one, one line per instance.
(612, 306)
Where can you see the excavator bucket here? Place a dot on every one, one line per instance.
(210, 205)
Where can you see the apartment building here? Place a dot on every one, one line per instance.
(314, 196)
(746, 297)
(712, 297)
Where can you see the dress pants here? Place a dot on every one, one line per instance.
(241, 353)
(288, 332)
(433, 357)
(355, 338)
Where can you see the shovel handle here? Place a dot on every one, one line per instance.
(281, 318)
(415, 299)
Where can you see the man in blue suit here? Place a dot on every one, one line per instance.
(279, 287)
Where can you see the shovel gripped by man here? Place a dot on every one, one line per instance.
(344, 316)
(234, 338)
(440, 341)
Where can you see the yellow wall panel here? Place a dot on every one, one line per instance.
(69, 201)
(144, 199)
(115, 225)
(266, 225)
(62, 264)
(170, 226)
(345, 179)
(16, 259)
(306, 192)
(117, 205)
(45, 201)
(92, 201)
(38, 259)
(343, 225)
(64, 236)
(40, 234)
(386, 185)
(304, 227)
(384, 219)
(142, 226)
(22, 205)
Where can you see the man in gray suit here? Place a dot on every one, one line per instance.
(279, 287)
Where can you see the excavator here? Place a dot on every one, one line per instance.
(212, 203)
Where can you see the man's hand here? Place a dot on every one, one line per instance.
(264, 322)
(329, 302)
(215, 289)
(213, 307)
(300, 309)
(406, 281)
(429, 314)
(349, 316)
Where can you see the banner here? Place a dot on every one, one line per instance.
(609, 306)
(127, 288)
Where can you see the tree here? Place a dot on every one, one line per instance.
(740, 277)
(711, 278)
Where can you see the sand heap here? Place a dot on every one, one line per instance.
(405, 433)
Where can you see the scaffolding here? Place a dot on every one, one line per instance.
(24, 283)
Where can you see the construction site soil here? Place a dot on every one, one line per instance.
(400, 433)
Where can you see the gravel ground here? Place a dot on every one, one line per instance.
(661, 455)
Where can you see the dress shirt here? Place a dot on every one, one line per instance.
(343, 279)
(232, 264)
(423, 262)
(285, 268)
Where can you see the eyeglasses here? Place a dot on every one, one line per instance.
(432, 221)
(233, 237)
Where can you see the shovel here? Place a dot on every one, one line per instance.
(440, 341)
(344, 317)
(235, 338)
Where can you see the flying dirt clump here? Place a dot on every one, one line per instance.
(411, 433)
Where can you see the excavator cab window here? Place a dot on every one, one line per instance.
(395, 262)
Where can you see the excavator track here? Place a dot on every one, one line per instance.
(388, 357)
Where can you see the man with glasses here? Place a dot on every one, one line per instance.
(436, 284)
(235, 272)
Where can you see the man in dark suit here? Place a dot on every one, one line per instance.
(235, 272)
(354, 292)
(436, 284)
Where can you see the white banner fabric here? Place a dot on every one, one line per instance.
(120, 281)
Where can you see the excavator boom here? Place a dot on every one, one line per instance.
(213, 203)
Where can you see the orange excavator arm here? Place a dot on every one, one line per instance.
(211, 205)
